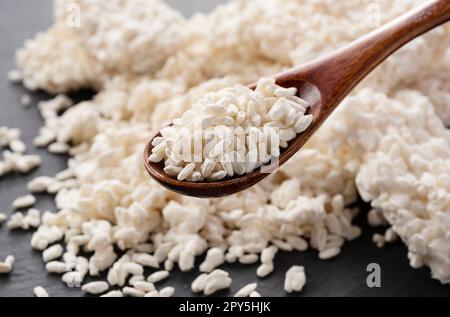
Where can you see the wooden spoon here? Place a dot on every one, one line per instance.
(323, 83)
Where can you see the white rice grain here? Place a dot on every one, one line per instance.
(246, 290)
(40, 292)
(52, 253)
(24, 202)
(95, 288)
(157, 276)
(295, 279)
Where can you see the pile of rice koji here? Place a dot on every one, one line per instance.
(387, 142)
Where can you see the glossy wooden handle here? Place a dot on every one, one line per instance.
(339, 72)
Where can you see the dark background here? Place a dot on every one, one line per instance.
(343, 276)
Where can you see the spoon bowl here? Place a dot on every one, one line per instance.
(323, 83)
(232, 185)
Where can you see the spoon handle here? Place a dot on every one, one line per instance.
(338, 73)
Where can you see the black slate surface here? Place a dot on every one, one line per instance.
(343, 276)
